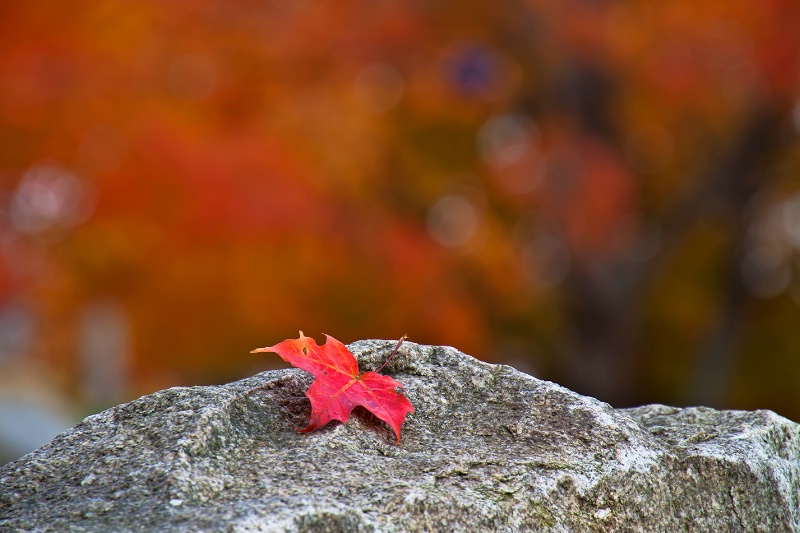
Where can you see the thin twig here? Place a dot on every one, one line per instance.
(404, 337)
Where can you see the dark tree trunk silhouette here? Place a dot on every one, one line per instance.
(603, 299)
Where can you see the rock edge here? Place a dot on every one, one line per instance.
(488, 448)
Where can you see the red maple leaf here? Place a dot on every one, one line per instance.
(339, 386)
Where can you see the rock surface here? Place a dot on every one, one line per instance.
(489, 448)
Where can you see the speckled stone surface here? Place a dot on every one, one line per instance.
(488, 448)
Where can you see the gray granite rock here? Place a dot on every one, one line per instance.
(489, 448)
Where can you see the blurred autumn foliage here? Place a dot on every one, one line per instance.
(603, 193)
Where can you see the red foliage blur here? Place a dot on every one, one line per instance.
(551, 183)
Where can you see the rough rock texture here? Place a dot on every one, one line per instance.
(489, 448)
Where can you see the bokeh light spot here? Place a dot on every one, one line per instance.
(453, 220)
(48, 197)
(505, 139)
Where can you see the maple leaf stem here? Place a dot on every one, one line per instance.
(404, 337)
